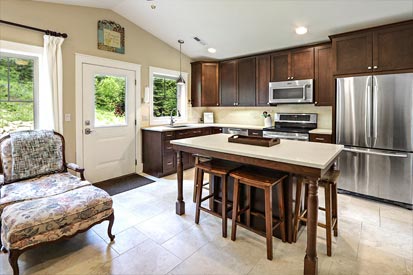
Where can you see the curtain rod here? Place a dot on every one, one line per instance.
(48, 32)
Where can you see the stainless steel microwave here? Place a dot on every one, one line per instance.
(295, 91)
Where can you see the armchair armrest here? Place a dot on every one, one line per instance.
(76, 168)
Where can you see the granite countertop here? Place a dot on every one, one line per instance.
(309, 154)
(321, 131)
(164, 128)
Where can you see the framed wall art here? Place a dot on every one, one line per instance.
(111, 36)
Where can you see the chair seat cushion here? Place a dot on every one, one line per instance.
(41, 220)
(41, 187)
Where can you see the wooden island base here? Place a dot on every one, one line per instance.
(301, 159)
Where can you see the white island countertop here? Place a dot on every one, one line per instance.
(309, 154)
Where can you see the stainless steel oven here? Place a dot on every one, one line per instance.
(295, 91)
(291, 126)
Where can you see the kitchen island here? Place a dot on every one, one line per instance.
(302, 159)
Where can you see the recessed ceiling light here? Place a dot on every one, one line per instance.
(301, 30)
(212, 50)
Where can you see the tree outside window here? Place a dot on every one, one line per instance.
(165, 99)
(17, 86)
(166, 96)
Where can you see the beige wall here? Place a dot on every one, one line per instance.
(80, 23)
(252, 115)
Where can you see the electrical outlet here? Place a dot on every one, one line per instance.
(68, 117)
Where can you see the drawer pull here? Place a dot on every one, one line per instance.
(319, 139)
(169, 163)
(169, 148)
(255, 134)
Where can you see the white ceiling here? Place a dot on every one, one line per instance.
(242, 27)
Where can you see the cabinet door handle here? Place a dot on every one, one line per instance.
(288, 78)
(369, 67)
(169, 163)
(375, 67)
(292, 77)
(316, 103)
(319, 139)
(217, 104)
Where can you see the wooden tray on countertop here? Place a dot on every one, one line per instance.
(258, 141)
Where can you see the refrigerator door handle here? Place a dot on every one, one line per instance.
(375, 90)
(377, 153)
(367, 119)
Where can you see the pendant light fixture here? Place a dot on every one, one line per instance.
(180, 81)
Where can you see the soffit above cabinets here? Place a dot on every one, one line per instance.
(243, 27)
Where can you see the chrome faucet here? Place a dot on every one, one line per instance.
(172, 118)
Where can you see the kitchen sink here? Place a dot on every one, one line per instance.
(178, 126)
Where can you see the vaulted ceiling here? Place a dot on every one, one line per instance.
(242, 27)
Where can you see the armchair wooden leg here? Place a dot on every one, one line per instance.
(111, 219)
(13, 258)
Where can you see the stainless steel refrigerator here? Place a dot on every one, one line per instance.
(374, 121)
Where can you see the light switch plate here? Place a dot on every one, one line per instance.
(68, 117)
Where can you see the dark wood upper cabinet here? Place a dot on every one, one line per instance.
(238, 82)
(385, 48)
(280, 70)
(246, 82)
(393, 48)
(228, 71)
(295, 64)
(353, 53)
(204, 84)
(263, 77)
(324, 81)
(302, 64)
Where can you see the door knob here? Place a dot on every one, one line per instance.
(88, 131)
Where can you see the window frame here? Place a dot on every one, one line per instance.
(17, 50)
(182, 100)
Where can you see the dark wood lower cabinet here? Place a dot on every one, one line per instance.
(159, 159)
(323, 138)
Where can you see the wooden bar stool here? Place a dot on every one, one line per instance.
(329, 183)
(198, 159)
(263, 179)
(218, 168)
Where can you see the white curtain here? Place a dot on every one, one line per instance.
(51, 92)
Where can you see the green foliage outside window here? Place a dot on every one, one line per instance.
(109, 100)
(16, 94)
(164, 96)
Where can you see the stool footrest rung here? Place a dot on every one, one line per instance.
(207, 197)
(242, 211)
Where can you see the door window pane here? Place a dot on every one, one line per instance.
(110, 104)
(165, 98)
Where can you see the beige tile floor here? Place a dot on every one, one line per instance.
(373, 238)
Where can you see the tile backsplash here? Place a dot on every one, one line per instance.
(253, 115)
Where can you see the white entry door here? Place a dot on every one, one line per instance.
(109, 142)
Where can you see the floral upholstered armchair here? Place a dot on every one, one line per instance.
(40, 201)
